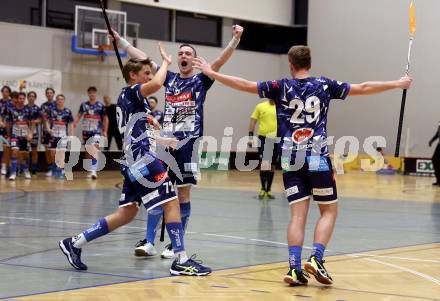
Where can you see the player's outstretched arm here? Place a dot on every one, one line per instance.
(368, 88)
(132, 51)
(233, 82)
(226, 54)
(159, 78)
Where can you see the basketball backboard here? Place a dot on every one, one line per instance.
(91, 31)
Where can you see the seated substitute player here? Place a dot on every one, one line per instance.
(302, 105)
(20, 121)
(185, 94)
(46, 108)
(265, 115)
(36, 120)
(132, 102)
(94, 125)
(59, 126)
(4, 104)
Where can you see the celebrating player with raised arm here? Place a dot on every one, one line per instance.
(134, 121)
(185, 95)
(302, 104)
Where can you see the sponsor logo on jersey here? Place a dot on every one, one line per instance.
(180, 97)
(302, 135)
(160, 177)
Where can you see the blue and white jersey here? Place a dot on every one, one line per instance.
(302, 107)
(184, 100)
(131, 102)
(46, 108)
(36, 115)
(158, 115)
(3, 106)
(20, 120)
(92, 117)
(59, 121)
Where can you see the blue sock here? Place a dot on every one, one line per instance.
(318, 251)
(25, 165)
(295, 257)
(54, 168)
(13, 165)
(175, 232)
(185, 212)
(97, 230)
(153, 220)
(34, 167)
(94, 164)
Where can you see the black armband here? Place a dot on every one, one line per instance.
(251, 134)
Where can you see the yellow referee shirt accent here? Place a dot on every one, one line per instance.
(266, 115)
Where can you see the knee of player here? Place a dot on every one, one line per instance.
(128, 213)
(329, 210)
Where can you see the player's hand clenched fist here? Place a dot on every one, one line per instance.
(237, 31)
(405, 82)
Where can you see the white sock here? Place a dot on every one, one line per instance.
(182, 257)
(79, 241)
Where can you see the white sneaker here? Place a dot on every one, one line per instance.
(167, 253)
(49, 173)
(4, 171)
(94, 175)
(27, 175)
(144, 248)
(12, 177)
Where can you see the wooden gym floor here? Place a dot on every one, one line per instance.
(386, 245)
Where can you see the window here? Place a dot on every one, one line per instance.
(61, 13)
(154, 23)
(21, 11)
(198, 29)
(271, 38)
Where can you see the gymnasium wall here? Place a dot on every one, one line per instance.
(50, 48)
(355, 41)
(268, 11)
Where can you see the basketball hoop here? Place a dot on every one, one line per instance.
(103, 50)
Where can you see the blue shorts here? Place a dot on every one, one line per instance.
(188, 165)
(34, 141)
(134, 191)
(45, 138)
(315, 179)
(58, 143)
(19, 143)
(91, 138)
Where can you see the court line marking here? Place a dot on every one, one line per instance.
(398, 267)
(356, 255)
(231, 237)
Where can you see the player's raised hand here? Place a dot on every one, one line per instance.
(116, 34)
(405, 82)
(237, 31)
(201, 64)
(166, 58)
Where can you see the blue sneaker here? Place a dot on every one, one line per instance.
(73, 254)
(191, 267)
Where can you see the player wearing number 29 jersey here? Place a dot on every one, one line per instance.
(302, 105)
(302, 108)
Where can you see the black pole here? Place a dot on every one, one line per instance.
(162, 230)
(399, 130)
(115, 46)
